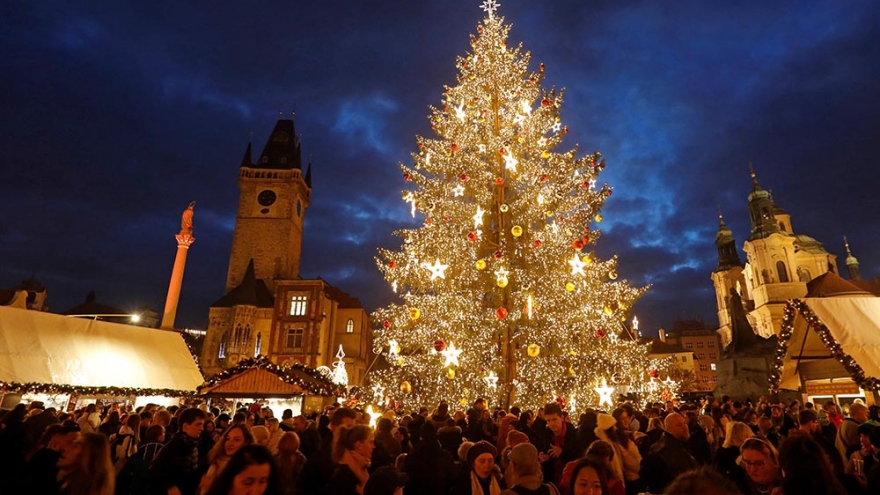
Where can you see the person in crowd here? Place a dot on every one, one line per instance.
(163, 418)
(669, 457)
(146, 422)
(653, 433)
(319, 467)
(603, 454)
(450, 436)
(290, 462)
(588, 478)
(431, 469)
(708, 425)
(481, 476)
(234, 438)
(261, 435)
(351, 452)
(42, 469)
(387, 447)
(767, 430)
(727, 455)
(125, 443)
(111, 424)
(556, 443)
(38, 423)
(703, 481)
(626, 448)
(760, 462)
(867, 456)
(847, 440)
(782, 421)
(134, 478)
(90, 420)
(386, 480)
(833, 414)
(177, 468)
(523, 475)
(586, 433)
(697, 443)
(309, 438)
(275, 433)
(250, 471)
(85, 467)
(514, 438)
(805, 468)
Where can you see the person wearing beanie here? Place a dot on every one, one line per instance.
(514, 438)
(867, 455)
(482, 476)
(605, 429)
(524, 475)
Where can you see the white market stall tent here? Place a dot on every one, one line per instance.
(828, 337)
(49, 353)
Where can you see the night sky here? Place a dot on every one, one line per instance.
(115, 115)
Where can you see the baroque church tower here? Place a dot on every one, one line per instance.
(779, 263)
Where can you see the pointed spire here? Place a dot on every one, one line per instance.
(309, 174)
(754, 177)
(852, 264)
(721, 224)
(246, 159)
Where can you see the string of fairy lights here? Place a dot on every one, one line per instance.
(499, 295)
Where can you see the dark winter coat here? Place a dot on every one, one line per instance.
(668, 458)
(430, 469)
(178, 464)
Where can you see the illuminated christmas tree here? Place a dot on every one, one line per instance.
(500, 295)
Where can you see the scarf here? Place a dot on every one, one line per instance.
(477, 489)
(358, 464)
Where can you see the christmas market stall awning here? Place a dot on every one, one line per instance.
(261, 378)
(839, 336)
(45, 352)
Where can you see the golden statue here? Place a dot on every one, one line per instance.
(186, 220)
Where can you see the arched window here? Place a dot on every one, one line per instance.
(781, 272)
(222, 353)
(258, 345)
(236, 341)
(247, 338)
(349, 326)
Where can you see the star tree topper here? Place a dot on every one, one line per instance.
(490, 6)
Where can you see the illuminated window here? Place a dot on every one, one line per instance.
(298, 305)
(712, 366)
(222, 353)
(349, 326)
(701, 355)
(294, 339)
(258, 345)
(689, 345)
(712, 344)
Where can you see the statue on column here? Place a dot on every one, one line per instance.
(744, 340)
(186, 220)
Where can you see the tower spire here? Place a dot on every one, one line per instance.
(726, 245)
(852, 264)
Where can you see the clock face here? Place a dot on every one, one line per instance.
(267, 197)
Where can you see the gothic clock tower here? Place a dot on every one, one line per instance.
(271, 211)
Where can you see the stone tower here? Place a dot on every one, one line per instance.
(274, 195)
(727, 278)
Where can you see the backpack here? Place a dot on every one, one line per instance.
(118, 447)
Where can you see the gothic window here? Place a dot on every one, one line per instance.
(298, 304)
(222, 353)
(246, 337)
(258, 345)
(235, 348)
(781, 272)
(782, 226)
(349, 326)
(294, 339)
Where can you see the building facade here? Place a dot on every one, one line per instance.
(704, 343)
(267, 308)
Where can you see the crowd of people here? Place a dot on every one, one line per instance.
(717, 446)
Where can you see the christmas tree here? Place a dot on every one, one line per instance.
(499, 295)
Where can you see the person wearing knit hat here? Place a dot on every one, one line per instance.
(514, 438)
(524, 474)
(483, 477)
(605, 430)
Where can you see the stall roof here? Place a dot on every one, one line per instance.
(845, 331)
(260, 377)
(64, 354)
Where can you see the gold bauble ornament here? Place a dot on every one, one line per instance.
(516, 230)
(545, 154)
(481, 264)
(463, 401)
(450, 373)
(612, 275)
(504, 208)
(415, 313)
(571, 370)
(502, 282)
(569, 286)
(587, 259)
(621, 305)
(405, 387)
(608, 311)
(399, 361)
(534, 350)
(598, 217)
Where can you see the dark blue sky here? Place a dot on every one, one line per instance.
(115, 115)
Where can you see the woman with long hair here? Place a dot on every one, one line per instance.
(250, 471)
(352, 450)
(760, 461)
(234, 438)
(111, 424)
(725, 458)
(290, 462)
(126, 441)
(85, 467)
(805, 468)
(588, 478)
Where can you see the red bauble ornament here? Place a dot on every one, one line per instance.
(499, 181)
(498, 255)
(577, 244)
(392, 264)
(565, 130)
(531, 79)
(537, 243)
(454, 147)
(472, 236)
(407, 177)
(600, 333)
(463, 177)
(541, 67)
(585, 185)
(386, 324)
(439, 345)
(607, 193)
(542, 179)
(654, 374)
(429, 220)
(503, 151)
(561, 401)
(501, 313)
(446, 219)
(545, 103)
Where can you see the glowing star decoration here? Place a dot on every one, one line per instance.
(636, 325)
(408, 197)
(524, 104)
(478, 217)
(592, 184)
(510, 162)
(501, 276)
(438, 270)
(482, 148)
(577, 266)
(393, 348)
(458, 191)
(451, 355)
(542, 142)
(340, 376)
(459, 111)
(519, 119)
(490, 6)
(556, 127)
(394, 286)
(374, 415)
(379, 394)
(604, 392)
(492, 380)
(670, 383)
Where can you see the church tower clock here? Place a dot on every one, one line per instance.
(274, 195)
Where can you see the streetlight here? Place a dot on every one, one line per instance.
(133, 317)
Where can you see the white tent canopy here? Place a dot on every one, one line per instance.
(45, 348)
(853, 322)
